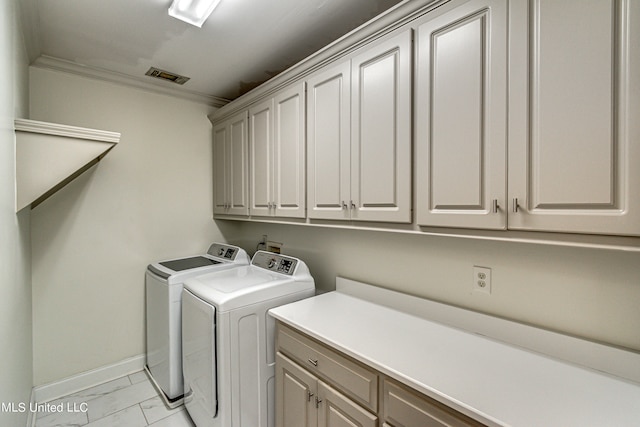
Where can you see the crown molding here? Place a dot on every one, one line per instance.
(46, 128)
(52, 63)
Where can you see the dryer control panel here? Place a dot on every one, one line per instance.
(275, 262)
(223, 251)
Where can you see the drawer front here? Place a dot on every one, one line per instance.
(357, 382)
(404, 408)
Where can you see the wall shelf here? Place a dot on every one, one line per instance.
(49, 156)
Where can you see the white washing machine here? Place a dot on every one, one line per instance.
(163, 283)
(228, 339)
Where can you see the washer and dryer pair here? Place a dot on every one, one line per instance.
(163, 287)
(228, 338)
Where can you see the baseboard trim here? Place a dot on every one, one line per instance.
(75, 383)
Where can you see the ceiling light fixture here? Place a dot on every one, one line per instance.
(194, 12)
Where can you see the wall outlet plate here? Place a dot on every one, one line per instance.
(275, 247)
(481, 280)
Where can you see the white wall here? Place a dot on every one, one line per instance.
(150, 198)
(16, 376)
(590, 293)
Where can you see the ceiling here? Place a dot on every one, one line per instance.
(242, 44)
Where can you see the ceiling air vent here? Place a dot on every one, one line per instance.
(166, 75)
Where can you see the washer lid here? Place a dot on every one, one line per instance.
(218, 257)
(188, 263)
(239, 279)
(242, 286)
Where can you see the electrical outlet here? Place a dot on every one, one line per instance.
(275, 247)
(482, 280)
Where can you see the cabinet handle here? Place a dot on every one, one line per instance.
(495, 206)
(344, 205)
(318, 402)
(309, 395)
(314, 362)
(516, 205)
(353, 205)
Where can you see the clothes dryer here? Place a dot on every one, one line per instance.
(163, 288)
(229, 340)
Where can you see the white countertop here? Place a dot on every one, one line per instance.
(493, 382)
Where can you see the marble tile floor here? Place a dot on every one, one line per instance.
(130, 401)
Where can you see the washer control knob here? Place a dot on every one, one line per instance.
(272, 263)
(220, 251)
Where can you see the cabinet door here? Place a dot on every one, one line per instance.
(574, 135)
(336, 410)
(238, 162)
(328, 133)
(289, 152)
(381, 131)
(220, 168)
(461, 98)
(295, 395)
(261, 155)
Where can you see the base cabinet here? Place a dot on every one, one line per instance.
(295, 392)
(305, 401)
(405, 408)
(317, 386)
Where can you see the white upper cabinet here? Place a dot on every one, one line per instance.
(575, 116)
(501, 114)
(230, 161)
(329, 133)
(461, 113)
(359, 135)
(261, 158)
(381, 131)
(573, 79)
(289, 179)
(220, 168)
(277, 150)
